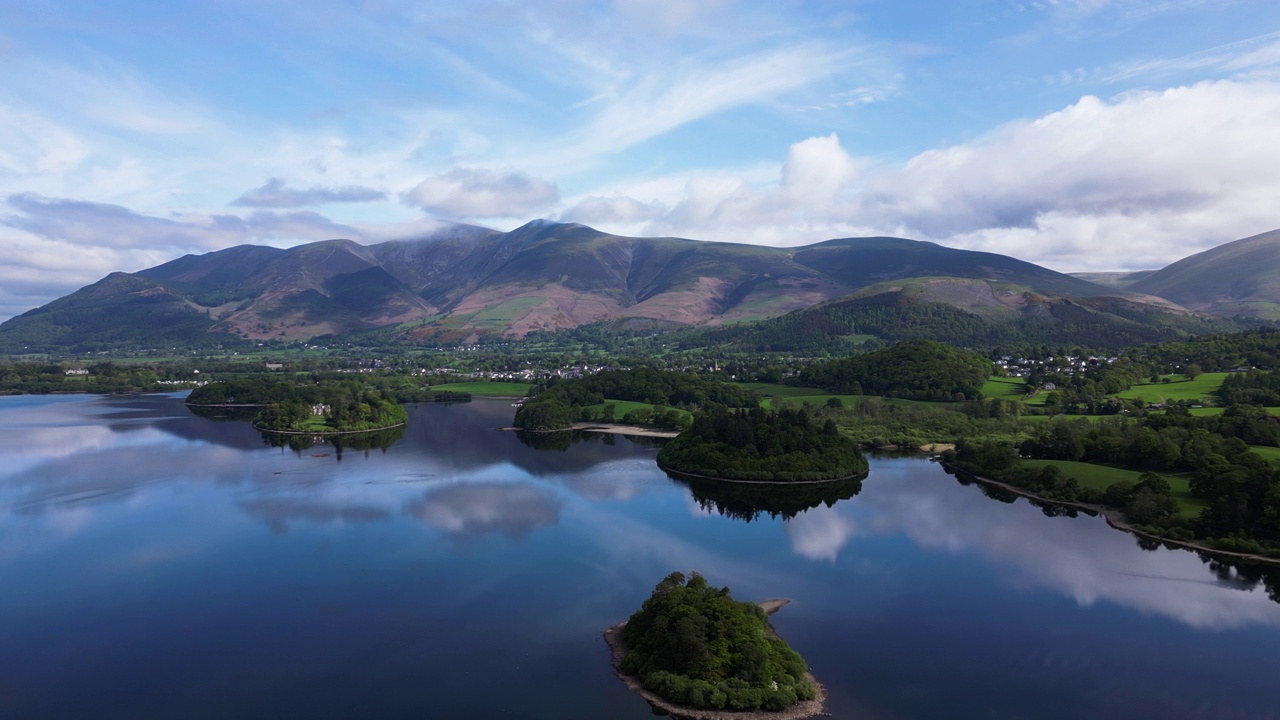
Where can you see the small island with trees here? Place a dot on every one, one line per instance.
(693, 651)
(325, 408)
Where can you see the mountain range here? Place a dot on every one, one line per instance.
(464, 283)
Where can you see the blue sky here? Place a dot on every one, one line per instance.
(1080, 134)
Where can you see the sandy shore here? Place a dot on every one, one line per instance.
(799, 711)
(614, 429)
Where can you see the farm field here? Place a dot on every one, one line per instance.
(1005, 388)
(1211, 411)
(1204, 387)
(1270, 453)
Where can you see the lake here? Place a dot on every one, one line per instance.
(155, 564)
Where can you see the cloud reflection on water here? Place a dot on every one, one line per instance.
(1082, 558)
(468, 512)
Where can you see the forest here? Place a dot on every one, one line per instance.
(913, 370)
(695, 645)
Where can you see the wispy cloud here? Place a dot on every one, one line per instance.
(659, 102)
(1253, 53)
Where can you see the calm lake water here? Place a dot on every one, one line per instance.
(155, 564)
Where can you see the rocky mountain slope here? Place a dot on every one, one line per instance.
(465, 282)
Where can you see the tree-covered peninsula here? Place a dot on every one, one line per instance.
(696, 646)
(314, 408)
(763, 446)
(1202, 479)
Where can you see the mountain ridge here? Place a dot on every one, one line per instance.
(465, 282)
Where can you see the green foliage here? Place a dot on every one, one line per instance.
(102, 377)
(562, 402)
(877, 423)
(762, 445)
(328, 406)
(695, 645)
(1240, 489)
(916, 370)
(1254, 387)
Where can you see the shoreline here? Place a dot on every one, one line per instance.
(799, 711)
(225, 405)
(1116, 519)
(611, 429)
(695, 476)
(325, 433)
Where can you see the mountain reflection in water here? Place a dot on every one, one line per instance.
(247, 580)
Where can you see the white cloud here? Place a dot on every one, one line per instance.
(819, 533)
(1134, 182)
(476, 193)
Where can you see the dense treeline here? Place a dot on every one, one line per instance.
(1258, 348)
(331, 406)
(762, 445)
(1241, 490)
(266, 389)
(879, 423)
(915, 370)
(102, 377)
(695, 645)
(1251, 388)
(560, 403)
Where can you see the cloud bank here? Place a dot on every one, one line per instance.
(1137, 181)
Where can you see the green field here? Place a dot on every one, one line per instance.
(1270, 453)
(1204, 387)
(1005, 388)
(1100, 477)
(487, 389)
(1210, 411)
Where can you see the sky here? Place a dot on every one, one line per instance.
(1082, 135)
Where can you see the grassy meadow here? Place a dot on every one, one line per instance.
(1203, 388)
(1005, 388)
(1100, 477)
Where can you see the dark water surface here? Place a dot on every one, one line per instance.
(154, 564)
